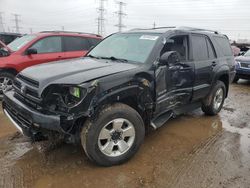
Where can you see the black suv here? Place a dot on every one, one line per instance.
(127, 83)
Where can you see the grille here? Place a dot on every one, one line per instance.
(26, 90)
(29, 81)
(245, 65)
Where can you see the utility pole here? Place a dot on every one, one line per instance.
(154, 25)
(62, 28)
(17, 20)
(1, 22)
(120, 14)
(101, 19)
(31, 31)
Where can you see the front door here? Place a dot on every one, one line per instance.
(174, 83)
(48, 49)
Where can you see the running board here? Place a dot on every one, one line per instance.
(161, 120)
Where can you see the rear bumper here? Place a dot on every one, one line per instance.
(27, 120)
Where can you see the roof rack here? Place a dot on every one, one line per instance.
(198, 29)
(181, 27)
(58, 31)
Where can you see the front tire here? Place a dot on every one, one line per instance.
(114, 136)
(217, 97)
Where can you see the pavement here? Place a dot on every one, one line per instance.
(192, 150)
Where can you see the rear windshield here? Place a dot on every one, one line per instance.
(223, 44)
(19, 43)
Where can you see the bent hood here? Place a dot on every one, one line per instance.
(74, 71)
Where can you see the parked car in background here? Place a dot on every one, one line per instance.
(7, 38)
(4, 50)
(242, 67)
(128, 82)
(40, 48)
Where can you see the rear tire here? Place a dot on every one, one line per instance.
(6, 81)
(114, 136)
(216, 99)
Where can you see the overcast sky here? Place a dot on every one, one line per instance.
(231, 17)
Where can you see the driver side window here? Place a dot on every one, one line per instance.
(178, 44)
(48, 45)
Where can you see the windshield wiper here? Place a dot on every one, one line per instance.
(91, 56)
(115, 59)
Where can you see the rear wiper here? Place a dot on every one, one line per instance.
(115, 59)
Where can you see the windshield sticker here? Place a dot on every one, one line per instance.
(148, 37)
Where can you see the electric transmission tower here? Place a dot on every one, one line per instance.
(17, 20)
(101, 19)
(120, 14)
(1, 22)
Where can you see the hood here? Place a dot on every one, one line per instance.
(74, 71)
(243, 58)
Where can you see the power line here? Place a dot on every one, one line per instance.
(120, 14)
(17, 20)
(101, 19)
(1, 22)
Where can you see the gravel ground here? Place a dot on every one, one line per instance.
(192, 150)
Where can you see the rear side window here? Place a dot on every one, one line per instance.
(211, 53)
(76, 44)
(199, 44)
(223, 45)
(94, 41)
(48, 45)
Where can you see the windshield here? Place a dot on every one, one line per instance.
(247, 53)
(127, 46)
(20, 42)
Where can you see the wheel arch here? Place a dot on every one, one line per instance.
(9, 70)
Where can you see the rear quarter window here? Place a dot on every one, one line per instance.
(223, 45)
(75, 43)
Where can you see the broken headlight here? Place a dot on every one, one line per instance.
(72, 96)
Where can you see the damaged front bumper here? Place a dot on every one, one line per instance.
(29, 121)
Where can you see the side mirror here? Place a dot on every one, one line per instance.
(169, 58)
(31, 51)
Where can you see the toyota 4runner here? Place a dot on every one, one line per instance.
(129, 82)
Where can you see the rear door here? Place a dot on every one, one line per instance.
(205, 60)
(75, 46)
(48, 49)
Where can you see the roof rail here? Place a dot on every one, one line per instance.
(155, 28)
(198, 29)
(58, 31)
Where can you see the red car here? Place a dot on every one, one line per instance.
(40, 48)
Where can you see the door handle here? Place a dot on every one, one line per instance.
(214, 64)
